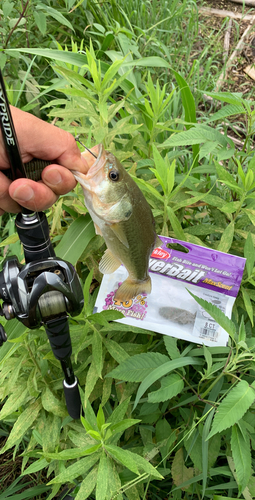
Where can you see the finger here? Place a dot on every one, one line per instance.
(39, 139)
(32, 195)
(59, 179)
(7, 204)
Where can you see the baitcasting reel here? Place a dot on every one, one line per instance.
(46, 289)
(43, 292)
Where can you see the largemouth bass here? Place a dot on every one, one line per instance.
(123, 217)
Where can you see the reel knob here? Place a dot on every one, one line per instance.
(3, 336)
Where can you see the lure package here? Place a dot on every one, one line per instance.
(169, 309)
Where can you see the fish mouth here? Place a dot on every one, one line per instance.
(94, 166)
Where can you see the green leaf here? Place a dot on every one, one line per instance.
(162, 370)
(229, 110)
(122, 426)
(79, 468)
(97, 352)
(170, 387)
(171, 346)
(177, 228)
(231, 207)
(24, 422)
(119, 412)
(14, 401)
(132, 461)
(249, 254)
(102, 477)
(115, 350)
(75, 239)
(56, 15)
(52, 404)
(240, 446)
(216, 314)
(40, 21)
(195, 135)
(125, 457)
(88, 484)
(180, 473)
(7, 8)
(100, 418)
(233, 407)
(227, 238)
(161, 167)
(227, 178)
(136, 368)
(247, 303)
(40, 464)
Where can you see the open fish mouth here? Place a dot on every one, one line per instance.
(95, 166)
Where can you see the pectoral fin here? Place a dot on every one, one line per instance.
(109, 263)
(119, 232)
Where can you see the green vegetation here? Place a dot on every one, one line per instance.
(133, 77)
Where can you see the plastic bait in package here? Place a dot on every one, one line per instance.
(169, 309)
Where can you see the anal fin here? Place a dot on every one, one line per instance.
(109, 263)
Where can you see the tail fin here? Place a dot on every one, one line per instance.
(130, 289)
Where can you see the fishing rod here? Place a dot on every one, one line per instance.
(46, 290)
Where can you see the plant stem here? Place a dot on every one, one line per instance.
(15, 26)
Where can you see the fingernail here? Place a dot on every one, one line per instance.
(53, 177)
(23, 193)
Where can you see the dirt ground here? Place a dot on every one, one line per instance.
(237, 80)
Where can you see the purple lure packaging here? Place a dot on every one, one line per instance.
(169, 309)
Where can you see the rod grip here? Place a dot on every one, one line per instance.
(73, 399)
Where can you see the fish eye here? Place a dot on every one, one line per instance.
(113, 175)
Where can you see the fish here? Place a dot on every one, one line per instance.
(123, 217)
(177, 315)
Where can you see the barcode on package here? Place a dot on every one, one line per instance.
(208, 333)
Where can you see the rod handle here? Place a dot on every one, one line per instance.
(73, 399)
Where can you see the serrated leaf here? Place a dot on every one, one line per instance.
(240, 446)
(170, 387)
(227, 238)
(171, 346)
(233, 407)
(229, 110)
(136, 368)
(195, 135)
(216, 314)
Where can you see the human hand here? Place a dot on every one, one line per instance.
(38, 139)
